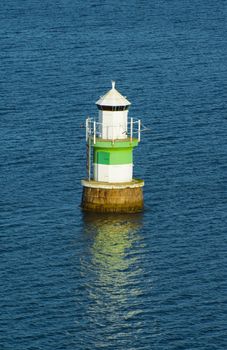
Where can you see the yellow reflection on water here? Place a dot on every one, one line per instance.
(115, 271)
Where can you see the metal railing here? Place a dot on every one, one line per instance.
(94, 130)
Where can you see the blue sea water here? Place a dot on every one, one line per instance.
(155, 281)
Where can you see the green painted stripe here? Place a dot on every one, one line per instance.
(101, 143)
(113, 157)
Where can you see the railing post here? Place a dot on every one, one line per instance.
(89, 158)
(86, 129)
(94, 132)
(112, 134)
(131, 129)
(88, 139)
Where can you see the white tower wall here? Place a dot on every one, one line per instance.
(113, 124)
(113, 173)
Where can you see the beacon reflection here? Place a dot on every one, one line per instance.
(114, 267)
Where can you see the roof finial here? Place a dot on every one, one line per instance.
(113, 84)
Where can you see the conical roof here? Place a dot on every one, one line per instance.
(113, 98)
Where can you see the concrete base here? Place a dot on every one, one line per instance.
(112, 197)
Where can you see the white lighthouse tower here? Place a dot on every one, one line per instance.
(112, 139)
(113, 115)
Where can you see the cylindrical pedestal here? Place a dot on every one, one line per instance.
(112, 197)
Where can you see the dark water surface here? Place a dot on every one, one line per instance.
(152, 281)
